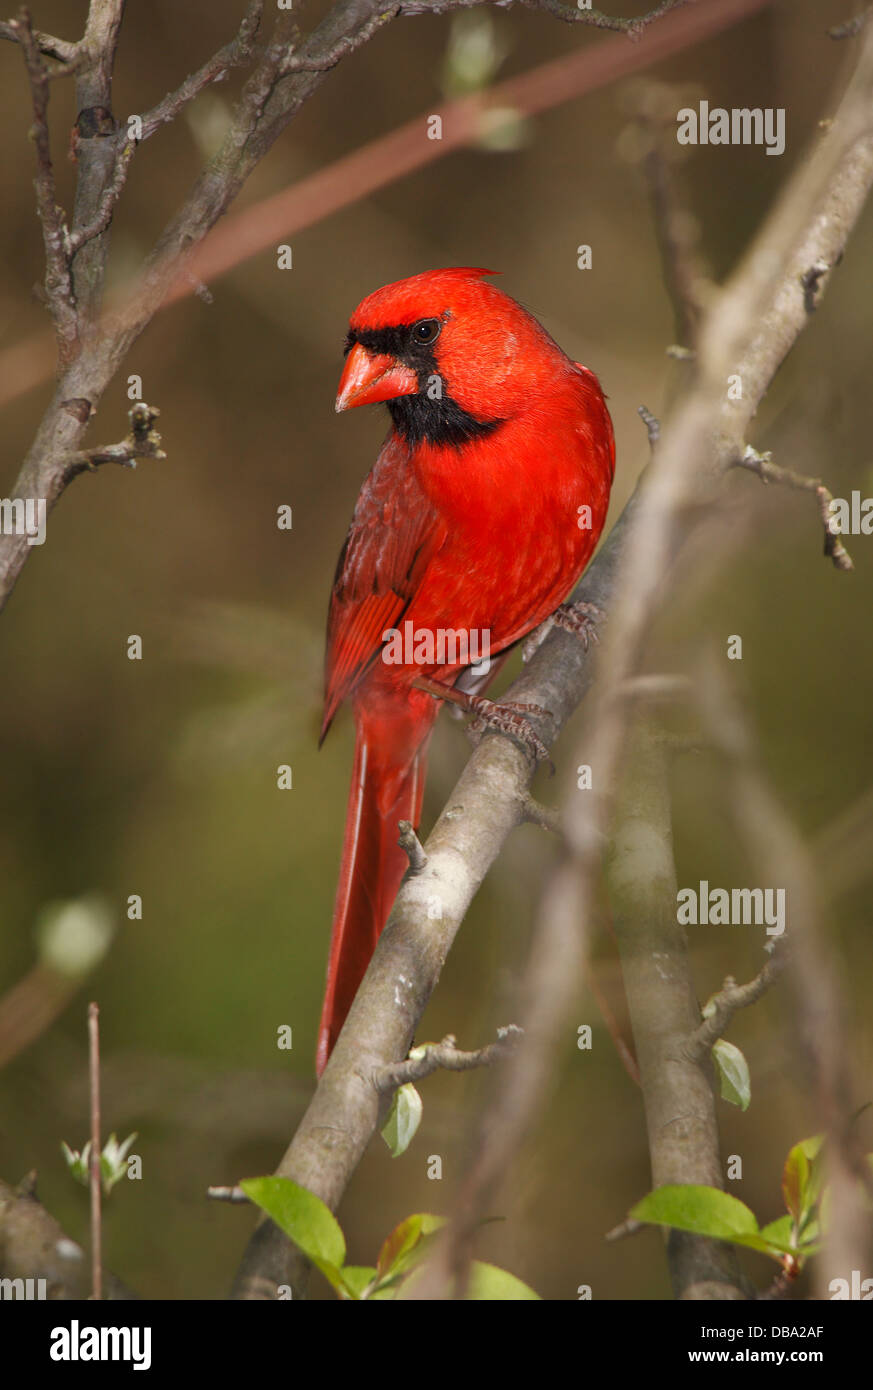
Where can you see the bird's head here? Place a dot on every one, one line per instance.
(451, 355)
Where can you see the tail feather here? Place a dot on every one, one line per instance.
(387, 787)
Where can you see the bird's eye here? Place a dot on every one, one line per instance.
(426, 331)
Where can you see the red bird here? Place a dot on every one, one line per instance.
(483, 508)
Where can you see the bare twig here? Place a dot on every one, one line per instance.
(58, 283)
(569, 12)
(96, 1152)
(143, 442)
(233, 55)
(652, 424)
(445, 1056)
(630, 1227)
(547, 817)
(346, 44)
(411, 846)
(733, 997)
(770, 472)
(77, 239)
(47, 44)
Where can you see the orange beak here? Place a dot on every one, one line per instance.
(367, 379)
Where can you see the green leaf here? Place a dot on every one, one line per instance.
(488, 1283)
(403, 1119)
(393, 1257)
(305, 1219)
(733, 1073)
(780, 1234)
(795, 1179)
(802, 1179)
(705, 1211)
(356, 1279)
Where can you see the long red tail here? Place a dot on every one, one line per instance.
(387, 787)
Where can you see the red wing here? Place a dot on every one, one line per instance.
(395, 532)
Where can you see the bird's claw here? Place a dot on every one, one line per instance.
(581, 619)
(509, 717)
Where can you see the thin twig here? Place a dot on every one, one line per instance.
(770, 472)
(78, 238)
(345, 45)
(58, 284)
(144, 441)
(547, 817)
(96, 1152)
(733, 997)
(65, 52)
(233, 55)
(411, 846)
(445, 1056)
(652, 424)
(569, 12)
(234, 1195)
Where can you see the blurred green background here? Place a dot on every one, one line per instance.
(158, 777)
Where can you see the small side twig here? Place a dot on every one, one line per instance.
(630, 1227)
(77, 239)
(65, 52)
(235, 1195)
(546, 817)
(652, 424)
(731, 998)
(770, 472)
(445, 1055)
(411, 846)
(96, 1152)
(144, 441)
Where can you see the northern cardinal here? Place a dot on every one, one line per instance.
(483, 508)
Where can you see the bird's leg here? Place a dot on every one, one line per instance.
(507, 717)
(581, 619)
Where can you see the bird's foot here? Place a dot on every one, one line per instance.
(508, 717)
(582, 619)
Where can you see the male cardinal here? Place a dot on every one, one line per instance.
(483, 508)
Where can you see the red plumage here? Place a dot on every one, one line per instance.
(472, 519)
